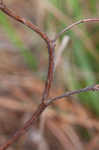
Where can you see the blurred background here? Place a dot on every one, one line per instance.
(69, 124)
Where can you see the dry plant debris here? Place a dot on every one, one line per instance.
(45, 100)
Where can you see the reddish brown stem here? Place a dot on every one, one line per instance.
(51, 46)
(49, 79)
(41, 108)
(27, 125)
(49, 43)
(70, 93)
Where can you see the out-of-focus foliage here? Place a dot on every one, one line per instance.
(77, 61)
(13, 36)
(83, 45)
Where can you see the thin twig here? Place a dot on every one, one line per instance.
(49, 79)
(40, 109)
(50, 45)
(86, 89)
(74, 24)
(27, 125)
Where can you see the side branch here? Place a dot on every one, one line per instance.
(74, 24)
(51, 46)
(86, 89)
(49, 43)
